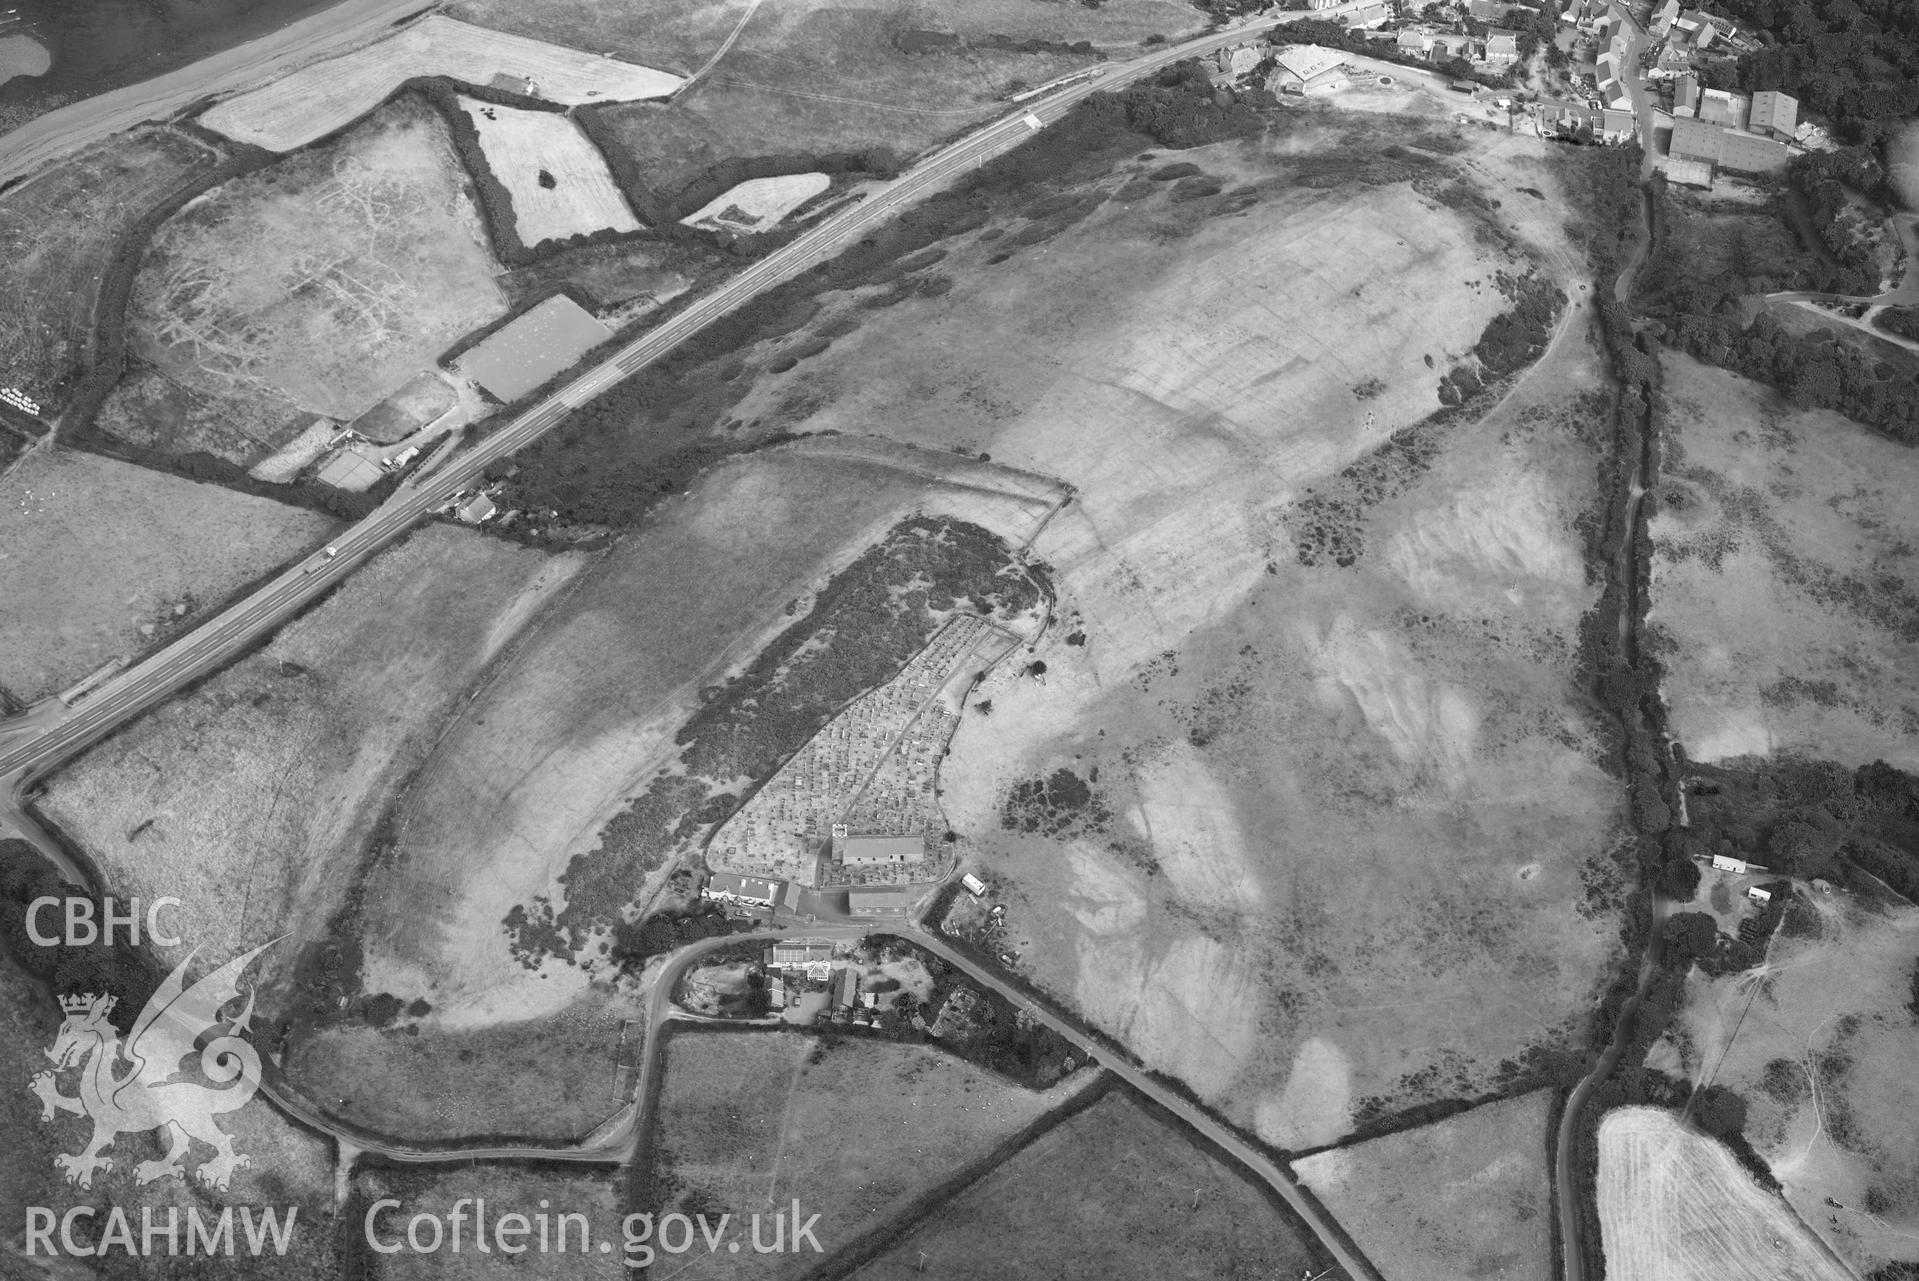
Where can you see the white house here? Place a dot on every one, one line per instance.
(1758, 895)
(1722, 863)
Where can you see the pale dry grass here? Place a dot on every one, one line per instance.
(1350, 807)
(522, 145)
(761, 201)
(1674, 1205)
(314, 101)
(438, 1190)
(92, 551)
(1786, 549)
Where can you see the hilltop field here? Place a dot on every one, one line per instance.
(1783, 599)
(1340, 841)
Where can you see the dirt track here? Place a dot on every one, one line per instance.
(70, 128)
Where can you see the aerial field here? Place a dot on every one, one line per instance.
(819, 76)
(317, 286)
(558, 180)
(100, 559)
(858, 1131)
(758, 202)
(1782, 580)
(1462, 1199)
(1115, 1192)
(1675, 1206)
(1352, 838)
(251, 797)
(58, 231)
(553, 1078)
(312, 102)
(585, 713)
(1819, 1044)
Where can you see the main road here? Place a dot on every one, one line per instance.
(66, 731)
(333, 30)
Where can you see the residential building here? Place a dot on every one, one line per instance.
(847, 987)
(1662, 18)
(1452, 44)
(477, 510)
(1373, 15)
(1308, 68)
(1699, 29)
(1758, 895)
(1323, 4)
(1238, 61)
(1615, 126)
(1726, 863)
(1416, 43)
(746, 891)
(1575, 120)
(785, 952)
(1672, 61)
(1774, 114)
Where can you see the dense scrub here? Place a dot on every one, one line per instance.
(863, 628)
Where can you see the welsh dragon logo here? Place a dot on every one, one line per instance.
(129, 1089)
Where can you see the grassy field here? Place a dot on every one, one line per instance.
(1115, 1193)
(575, 726)
(556, 1077)
(58, 230)
(314, 101)
(527, 148)
(857, 1131)
(99, 559)
(1353, 812)
(253, 797)
(317, 286)
(681, 36)
(1818, 1041)
(1675, 1205)
(551, 1191)
(1462, 1199)
(820, 76)
(1775, 525)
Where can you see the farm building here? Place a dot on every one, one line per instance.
(1689, 173)
(1774, 114)
(869, 850)
(974, 885)
(1726, 148)
(1308, 68)
(531, 349)
(751, 891)
(1719, 107)
(1758, 895)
